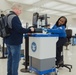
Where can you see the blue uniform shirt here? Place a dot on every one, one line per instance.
(60, 30)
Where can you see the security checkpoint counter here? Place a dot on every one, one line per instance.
(42, 53)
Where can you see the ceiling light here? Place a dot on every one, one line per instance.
(64, 7)
(62, 14)
(50, 4)
(35, 9)
(69, 1)
(25, 1)
(49, 12)
(73, 11)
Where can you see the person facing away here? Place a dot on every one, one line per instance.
(14, 41)
(59, 28)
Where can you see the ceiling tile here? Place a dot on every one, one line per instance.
(25, 1)
(64, 7)
(57, 7)
(49, 12)
(62, 14)
(69, 1)
(35, 9)
(50, 4)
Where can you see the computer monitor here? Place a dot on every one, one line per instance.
(39, 20)
(43, 19)
(35, 19)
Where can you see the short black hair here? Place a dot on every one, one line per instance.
(60, 18)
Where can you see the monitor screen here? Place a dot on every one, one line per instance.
(35, 19)
(43, 19)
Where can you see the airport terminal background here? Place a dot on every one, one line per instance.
(26, 19)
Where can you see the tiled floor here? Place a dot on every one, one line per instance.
(69, 57)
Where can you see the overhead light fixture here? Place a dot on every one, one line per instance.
(64, 7)
(59, 7)
(25, 1)
(50, 4)
(69, 1)
(49, 12)
(62, 14)
(29, 1)
(35, 10)
(73, 11)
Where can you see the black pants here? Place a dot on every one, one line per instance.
(59, 48)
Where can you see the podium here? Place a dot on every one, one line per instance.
(42, 53)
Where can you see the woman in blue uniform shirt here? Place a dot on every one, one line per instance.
(59, 28)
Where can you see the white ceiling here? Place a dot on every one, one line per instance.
(53, 7)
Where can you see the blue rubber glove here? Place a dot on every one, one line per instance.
(44, 29)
